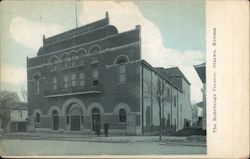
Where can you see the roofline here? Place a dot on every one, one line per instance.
(184, 77)
(160, 74)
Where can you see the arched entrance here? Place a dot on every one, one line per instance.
(96, 118)
(74, 117)
(55, 118)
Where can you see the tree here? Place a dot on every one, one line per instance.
(6, 97)
(158, 93)
(24, 94)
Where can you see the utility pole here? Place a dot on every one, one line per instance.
(76, 12)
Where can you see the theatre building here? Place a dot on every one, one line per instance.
(94, 74)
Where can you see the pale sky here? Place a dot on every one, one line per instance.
(173, 32)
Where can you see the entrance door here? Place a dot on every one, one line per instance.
(96, 118)
(55, 120)
(75, 123)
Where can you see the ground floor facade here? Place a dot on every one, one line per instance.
(75, 116)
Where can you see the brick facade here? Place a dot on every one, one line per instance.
(88, 75)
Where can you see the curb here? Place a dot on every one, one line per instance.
(182, 144)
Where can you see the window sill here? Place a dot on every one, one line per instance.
(122, 83)
(122, 122)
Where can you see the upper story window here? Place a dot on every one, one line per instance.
(95, 77)
(82, 79)
(168, 94)
(65, 61)
(81, 59)
(37, 83)
(94, 59)
(122, 115)
(122, 74)
(175, 101)
(74, 60)
(65, 81)
(73, 79)
(53, 62)
(82, 52)
(54, 83)
(121, 59)
(95, 49)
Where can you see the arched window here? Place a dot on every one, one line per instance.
(74, 60)
(81, 54)
(37, 117)
(122, 115)
(65, 61)
(37, 83)
(121, 59)
(94, 49)
(53, 63)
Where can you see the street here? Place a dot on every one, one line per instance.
(57, 147)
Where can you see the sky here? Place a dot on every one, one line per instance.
(172, 32)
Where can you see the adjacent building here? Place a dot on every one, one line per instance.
(201, 70)
(94, 74)
(18, 117)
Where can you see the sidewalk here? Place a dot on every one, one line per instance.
(166, 140)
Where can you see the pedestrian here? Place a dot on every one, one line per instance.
(106, 129)
(98, 129)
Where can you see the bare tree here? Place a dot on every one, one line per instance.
(157, 91)
(6, 97)
(24, 94)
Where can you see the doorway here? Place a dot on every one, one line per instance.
(55, 120)
(96, 118)
(75, 123)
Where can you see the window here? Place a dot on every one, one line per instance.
(94, 49)
(37, 83)
(54, 83)
(122, 74)
(82, 79)
(37, 118)
(53, 65)
(122, 115)
(65, 61)
(81, 62)
(74, 60)
(168, 94)
(175, 102)
(65, 81)
(148, 114)
(95, 77)
(73, 79)
(94, 59)
(121, 59)
(37, 86)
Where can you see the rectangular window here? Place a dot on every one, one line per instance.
(94, 59)
(122, 74)
(73, 79)
(37, 86)
(81, 60)
(65, 81)
(54, 83)
(53, 67)
(74, 60)
(95, 77)
(82, 79)
(175, 102)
